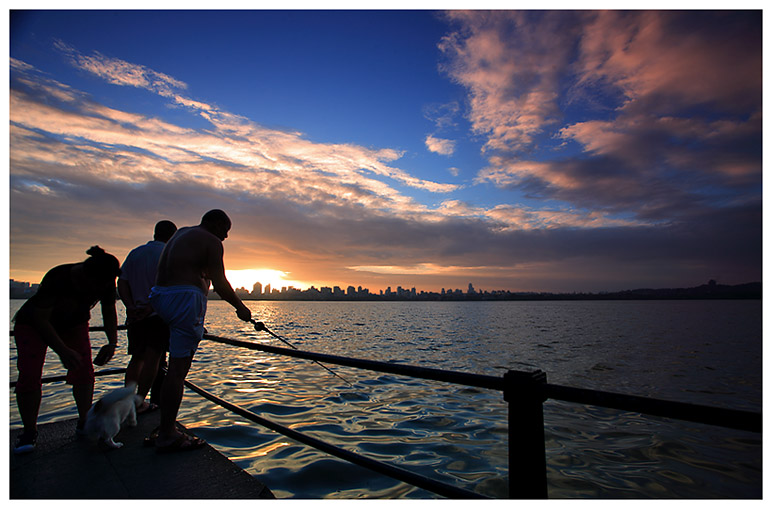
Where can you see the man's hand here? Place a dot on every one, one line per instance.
(105, 354)
(259, 326)
(244, 313)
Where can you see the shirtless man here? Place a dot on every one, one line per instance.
(191, 259)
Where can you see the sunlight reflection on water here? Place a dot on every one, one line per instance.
(701, 352)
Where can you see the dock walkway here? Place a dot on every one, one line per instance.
(64, 466)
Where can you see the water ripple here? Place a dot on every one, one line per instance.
(701, 352)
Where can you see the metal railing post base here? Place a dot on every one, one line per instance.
(524, 391)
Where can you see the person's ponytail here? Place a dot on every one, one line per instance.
(101, 265)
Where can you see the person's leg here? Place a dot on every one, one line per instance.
(133, 370)
(136, 351)
(28, 403)
(84, 396)
(81, 378)
(183, 309)
(171, 398)
(158, 383)
(155, 342)
(147, 374)
(31, 356)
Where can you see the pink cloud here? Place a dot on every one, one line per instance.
(669, 60)
(440, 146)
(511, 67)
(668, 102)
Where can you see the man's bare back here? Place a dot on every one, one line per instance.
(193, 256)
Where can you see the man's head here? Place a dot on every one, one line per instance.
(217, 223)
(164, 230)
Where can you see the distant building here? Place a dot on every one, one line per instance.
(22, 289)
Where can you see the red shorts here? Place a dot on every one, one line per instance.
(31, 356)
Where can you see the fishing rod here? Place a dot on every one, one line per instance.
(260, 326)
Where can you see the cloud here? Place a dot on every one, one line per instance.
(443, 116)
(440, 146)
(236, 154)
(668, 62)
(510, 62)
(671, 100)
(120, 72)
(628, 196)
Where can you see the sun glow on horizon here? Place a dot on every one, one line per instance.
(246, 278)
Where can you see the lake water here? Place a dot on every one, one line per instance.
(706, 352)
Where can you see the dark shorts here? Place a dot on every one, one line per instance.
(150, 332)
(31, 356)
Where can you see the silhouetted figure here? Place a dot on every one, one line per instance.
(155, 390)
(147, 333)
(57, 316)
(192, 259)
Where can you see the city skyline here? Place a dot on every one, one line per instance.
(553, 150)
(711, 289)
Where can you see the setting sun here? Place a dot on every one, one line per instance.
(246, 278)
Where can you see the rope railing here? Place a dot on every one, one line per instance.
(525, 393)
(742, 420)
(728, 418)
(62, 378)
(457, 377)
(440, 488)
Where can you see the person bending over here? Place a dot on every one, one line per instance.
(57, 316)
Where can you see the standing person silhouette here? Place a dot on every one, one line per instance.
(147, 333)
(57, 316)
(191, 260)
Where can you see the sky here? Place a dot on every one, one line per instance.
(557, 150)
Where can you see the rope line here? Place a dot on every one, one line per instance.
(398, 473)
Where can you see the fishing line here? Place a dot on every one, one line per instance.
(260, 326)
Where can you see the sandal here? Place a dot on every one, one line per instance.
(149, 407)
(183, 442)
(150, 439)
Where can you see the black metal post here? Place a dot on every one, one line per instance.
(524, 391)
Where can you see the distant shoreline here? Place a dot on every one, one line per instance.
(712, 290)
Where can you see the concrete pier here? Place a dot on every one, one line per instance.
(64, 466)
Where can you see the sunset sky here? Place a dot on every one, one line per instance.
(514, 150)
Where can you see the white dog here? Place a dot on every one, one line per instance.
(105, 417)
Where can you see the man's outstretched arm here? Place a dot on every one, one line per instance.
(221, 284)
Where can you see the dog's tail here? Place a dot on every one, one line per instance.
(114, 396)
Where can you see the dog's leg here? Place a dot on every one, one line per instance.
(131, 420)
(110, 428)
(109, 442)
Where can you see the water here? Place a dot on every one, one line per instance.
(706, 352)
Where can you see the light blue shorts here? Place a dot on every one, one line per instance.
(183, 308)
